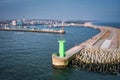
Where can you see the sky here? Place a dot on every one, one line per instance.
(101, 10)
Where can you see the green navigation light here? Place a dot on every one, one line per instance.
(62, 48)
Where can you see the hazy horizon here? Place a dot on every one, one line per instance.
(107, 10)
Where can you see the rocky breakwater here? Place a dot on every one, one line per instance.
(101, 53)
(99, 60)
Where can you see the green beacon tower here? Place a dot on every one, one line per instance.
(62, 48)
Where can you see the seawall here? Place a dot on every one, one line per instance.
(107, 39)
(39, 31)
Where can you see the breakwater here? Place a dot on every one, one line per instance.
(98, 60)
(104, 46)
(39, 31)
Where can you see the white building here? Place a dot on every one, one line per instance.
(14, 23)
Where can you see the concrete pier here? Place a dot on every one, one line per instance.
(39, 31)
(106, 33)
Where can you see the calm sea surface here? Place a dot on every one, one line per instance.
(113, 24)
(27, 56)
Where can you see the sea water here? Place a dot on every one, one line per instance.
(27, 55)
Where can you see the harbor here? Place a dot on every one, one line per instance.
(99, 49)
(40, 26)
(59, 40)
(28, 55)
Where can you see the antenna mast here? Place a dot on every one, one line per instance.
(62, 26)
